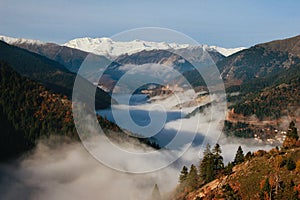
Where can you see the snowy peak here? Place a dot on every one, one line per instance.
(110, 48)
(227, 51)
(15, 41)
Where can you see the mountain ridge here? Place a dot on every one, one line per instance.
(50, 73)
(116, 48)
(112, 49)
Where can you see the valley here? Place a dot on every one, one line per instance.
(152, 97)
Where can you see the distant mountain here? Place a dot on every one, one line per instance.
(268, 98)
(113, 49)
(265, 83)
(109, 48)
(50, 73)
(290, 45)
(179, 57)
(268, 79)
(69, 57)
(134, 53)
(250, 66)
(260, 60)
(16, 41)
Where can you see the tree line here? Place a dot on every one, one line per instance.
(210, 167)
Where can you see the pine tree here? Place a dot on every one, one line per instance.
(218, 159)
(183, 175)
(239, 157)
(193, 177)
(206, 167)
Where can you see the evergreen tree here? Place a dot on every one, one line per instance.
(228, 168)
(239, 157)
(183, 175)
(218, 159)
(207, 164)
(193, 177)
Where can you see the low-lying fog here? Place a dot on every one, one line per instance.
(63, 170)
(56, 170)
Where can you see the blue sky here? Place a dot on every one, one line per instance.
(214, 22)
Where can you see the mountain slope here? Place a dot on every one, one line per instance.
(274, 101)
(69, 57)
(261, 60)
(29, 112)
(48, 72)
(291, 45)
(263, 88)
(266, 175)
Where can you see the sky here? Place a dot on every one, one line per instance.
(232, 23)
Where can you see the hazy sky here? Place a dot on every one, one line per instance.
(223, 23)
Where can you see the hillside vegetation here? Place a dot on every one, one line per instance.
(259, 175)
(29, 112)
(49, 73)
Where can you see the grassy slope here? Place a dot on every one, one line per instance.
(248, 177)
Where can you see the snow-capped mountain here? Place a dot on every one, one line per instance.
(110, 48)
(226, 51)
(16, 41)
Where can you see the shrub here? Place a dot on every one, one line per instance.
(290, 164)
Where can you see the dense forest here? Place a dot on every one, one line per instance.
(272, 102)
(29, 111)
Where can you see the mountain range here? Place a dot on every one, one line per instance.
(112, 49)
(137, 52)
(260, 81)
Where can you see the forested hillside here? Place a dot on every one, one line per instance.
(28, 112)
(51, 74)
